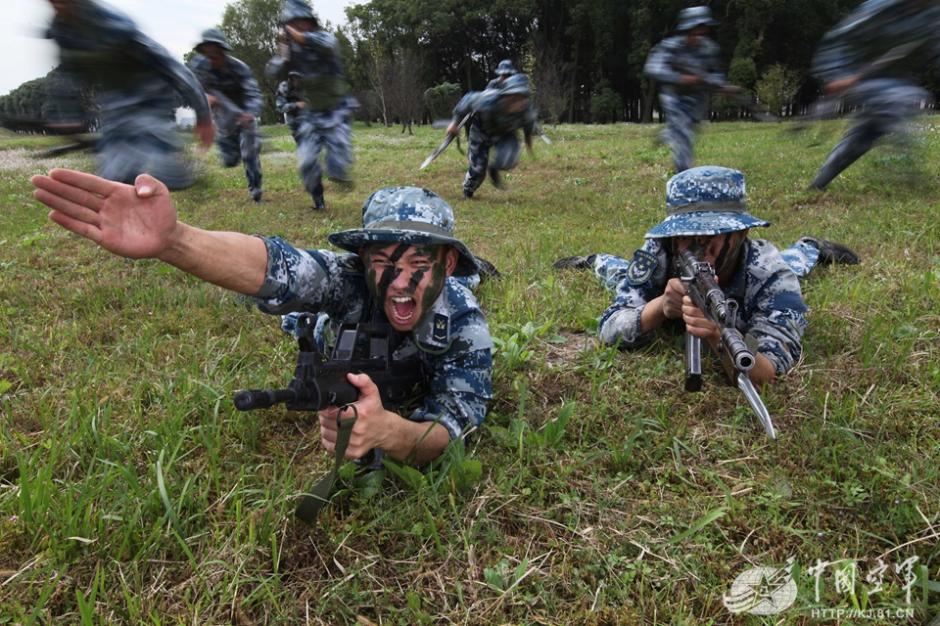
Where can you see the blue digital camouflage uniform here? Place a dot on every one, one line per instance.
(452, 340)
(886, 98)
(137, 86)
(325, 121)
(286, 102)
(492, 127)
(504, 70)
(684, 107)
(237, 93)
(765, 283)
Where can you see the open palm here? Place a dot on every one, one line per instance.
(134, 221)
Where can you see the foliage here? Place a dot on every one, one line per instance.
(777, 87)
(606, 104)
(441, 99)
(251, 28)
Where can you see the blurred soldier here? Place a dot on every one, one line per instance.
(686, 68)
(504, 70)
(324, 120)
(235, 99)
(137, 85)
(495, 117)
(868, 57)
(401, 270)
(707, 212)
(290, 103)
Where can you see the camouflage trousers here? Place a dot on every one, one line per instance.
(478, 156)
(886, 105)
(683, 113)
(801, 257)
(312, 138)
(139, 135)
(242, 144)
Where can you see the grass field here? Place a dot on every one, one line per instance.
(598, 492)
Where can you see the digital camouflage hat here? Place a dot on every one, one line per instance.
(296, 10)
(695, 16)
(409, 215)
(214, 36)
(706, 200)
(505, 68)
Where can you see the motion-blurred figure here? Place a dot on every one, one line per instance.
(494, 117)
(290, 102)
(686, 68)
(324, 120)
(137, 83)
(868, 57)
(235, 99)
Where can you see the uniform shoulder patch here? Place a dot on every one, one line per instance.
(440, 328)
(641, 267)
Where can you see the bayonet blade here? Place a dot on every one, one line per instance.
(754, 399)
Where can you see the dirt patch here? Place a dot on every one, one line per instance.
(22, 160)
(561, 355)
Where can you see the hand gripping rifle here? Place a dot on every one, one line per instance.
(320, 383)
(737, 358)
(447, 140)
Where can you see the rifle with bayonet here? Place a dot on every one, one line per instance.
(736, 356)
(78, 132)
(318, 383)
(447, 141)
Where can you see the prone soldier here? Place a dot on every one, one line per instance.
(686, 68)
(867, 58)
(324, 120)
(494, 117)
(135, 80)
(404, 270)
(707, 213)
(235, 100)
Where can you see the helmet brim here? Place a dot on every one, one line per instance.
(704, 223)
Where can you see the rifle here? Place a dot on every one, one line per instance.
(44, 127)
(319, 383)
(447, 140)
(737, 358)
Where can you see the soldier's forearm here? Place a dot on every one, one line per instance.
(418, 442)
(230, 260)
(763, 371)
(652, 316)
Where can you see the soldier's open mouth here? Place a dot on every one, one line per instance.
(403, 308)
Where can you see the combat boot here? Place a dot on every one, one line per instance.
(832, 252)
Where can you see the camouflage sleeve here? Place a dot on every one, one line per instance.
(467, 104)
(659, 64)
(281, 102)
(322, 40)
(840, 52)
(715, 77)
(306, 280)
(156, 57)
(774, 308)
(460, 379)
(644, 279)
(251, 90)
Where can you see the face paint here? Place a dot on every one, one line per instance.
(390, 273)
(438, 275)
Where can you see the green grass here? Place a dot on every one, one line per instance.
(598, 492)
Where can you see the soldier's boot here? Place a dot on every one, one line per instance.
(487, 270)
(496, 178)
(255, 194)
(832, 252)
(847, 152)
(575, 262)
(468, 194)
(319, 204)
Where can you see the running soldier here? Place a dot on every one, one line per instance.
(235, 99)
(290, 103)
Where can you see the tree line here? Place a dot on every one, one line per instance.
(409, 60)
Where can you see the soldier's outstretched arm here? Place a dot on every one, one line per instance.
(139, 221)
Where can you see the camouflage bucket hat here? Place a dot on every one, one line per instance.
(515, 84)
(214, 35)
(707, 200)
(505, 68)
(296, 10)
(695, 16)
(409, 215)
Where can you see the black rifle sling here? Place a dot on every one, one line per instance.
(312, 503)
